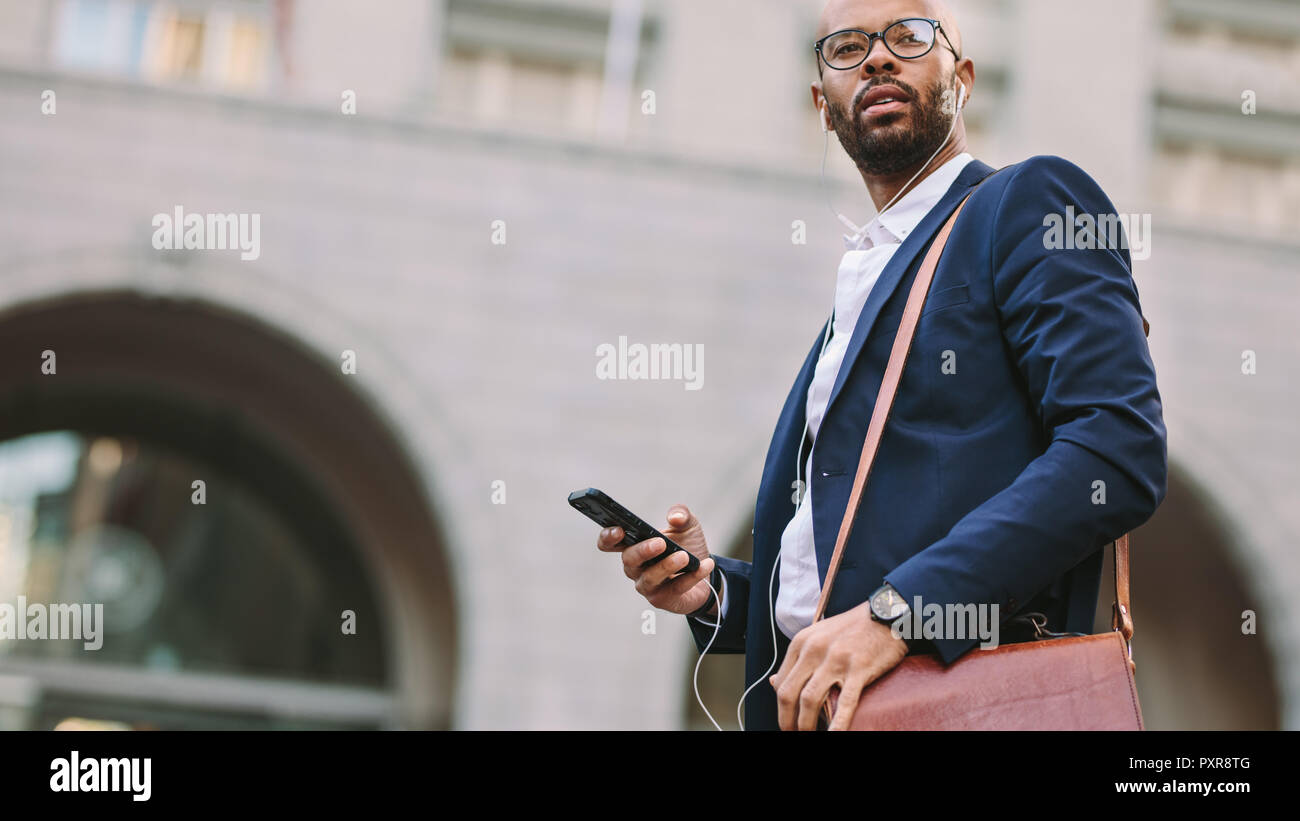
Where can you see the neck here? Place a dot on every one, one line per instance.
(885, 187)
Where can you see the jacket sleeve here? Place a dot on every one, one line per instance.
(731, 635)
(1072, 326)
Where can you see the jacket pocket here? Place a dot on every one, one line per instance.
(946, 298)
(887, 325)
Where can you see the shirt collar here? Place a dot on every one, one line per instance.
(901, 219)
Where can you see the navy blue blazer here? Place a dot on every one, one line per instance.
(983, 487)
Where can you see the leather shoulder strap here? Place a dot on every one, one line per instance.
(1122, 618)
(885, 398)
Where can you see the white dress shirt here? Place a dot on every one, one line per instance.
(867, 254)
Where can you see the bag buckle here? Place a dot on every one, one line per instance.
(1121, 622)
(1039, 621)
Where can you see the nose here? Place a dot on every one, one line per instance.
(880, 60)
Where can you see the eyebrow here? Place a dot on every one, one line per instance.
(886, 25)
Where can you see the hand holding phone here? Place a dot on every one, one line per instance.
(670, 568)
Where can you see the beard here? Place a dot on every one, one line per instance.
(880, 148)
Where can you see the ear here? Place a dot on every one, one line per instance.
(820, 103)
(965, 70)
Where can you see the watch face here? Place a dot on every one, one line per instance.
(888, 605)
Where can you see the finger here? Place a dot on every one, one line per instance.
(787, 695)
(810, 701)
(609, 539)
(791, 658)
(681, 519)
(686, 582)
(642, 552)
(850, 695)
(654, 578)
(674, 563)
(637, 555)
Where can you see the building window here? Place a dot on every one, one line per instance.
(531, 66)
(176, 46)
(523, 93)
(222, 45)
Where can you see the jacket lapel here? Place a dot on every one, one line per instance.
(774, 506)
(900, 263)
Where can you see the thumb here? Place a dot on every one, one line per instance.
(681, 518)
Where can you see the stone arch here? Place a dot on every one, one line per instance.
(118, 346)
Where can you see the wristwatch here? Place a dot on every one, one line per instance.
(887, 606)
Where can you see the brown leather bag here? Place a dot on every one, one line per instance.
(1073, 683)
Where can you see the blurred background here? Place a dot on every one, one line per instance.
(460, 200)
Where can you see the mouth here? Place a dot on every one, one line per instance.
(884, 100)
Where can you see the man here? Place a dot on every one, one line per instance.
(1027, 432)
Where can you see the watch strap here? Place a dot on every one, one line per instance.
(715, 580)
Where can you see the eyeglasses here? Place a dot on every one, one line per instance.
(906, 39)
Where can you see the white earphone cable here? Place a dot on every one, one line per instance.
(695, 679)
(956, 111)
(772, 621)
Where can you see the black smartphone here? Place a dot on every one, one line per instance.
(606, 512)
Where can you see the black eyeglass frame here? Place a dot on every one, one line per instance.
(872, 37)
